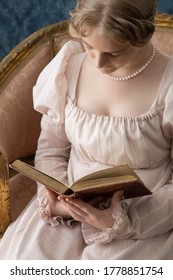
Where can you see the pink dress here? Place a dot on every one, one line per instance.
(74, 143)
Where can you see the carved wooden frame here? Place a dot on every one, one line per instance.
(164, 21)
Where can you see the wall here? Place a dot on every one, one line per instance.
(165, 6)
(20, 18)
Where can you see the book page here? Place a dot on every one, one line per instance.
(131, 186)
(108, 173)
(38, 176)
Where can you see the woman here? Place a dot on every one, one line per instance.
(108, 105)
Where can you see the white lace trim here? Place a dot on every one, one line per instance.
(93, 235)
(52, 220)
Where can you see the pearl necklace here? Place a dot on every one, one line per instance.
(126, 78)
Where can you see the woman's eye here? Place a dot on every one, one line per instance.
(114, 54)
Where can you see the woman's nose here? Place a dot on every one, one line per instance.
(100, 60)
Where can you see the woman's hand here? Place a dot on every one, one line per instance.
(86, 213)
(55, 206)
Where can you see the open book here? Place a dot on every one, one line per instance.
(103, 182)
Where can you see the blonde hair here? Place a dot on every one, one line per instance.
(124, 20)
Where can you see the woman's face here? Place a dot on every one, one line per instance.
(106, 54)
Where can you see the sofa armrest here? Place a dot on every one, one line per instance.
(5, 216)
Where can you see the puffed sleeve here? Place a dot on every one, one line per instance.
(49, 97)
(49, 93)
(153, 216)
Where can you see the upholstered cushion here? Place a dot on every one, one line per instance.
(19, 122)
(163, 39)
(21, 190)
(20, 128)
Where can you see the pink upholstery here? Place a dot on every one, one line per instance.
(21, 190)
(19, 128)
(163, 39)
(19, 123)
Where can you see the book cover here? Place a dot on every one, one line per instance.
(103, 182)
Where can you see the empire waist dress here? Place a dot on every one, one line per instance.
(74, 143)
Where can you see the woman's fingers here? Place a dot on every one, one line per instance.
(85, 212)
(116, 197)
(77, 205)
(79, 209)
(51, 194)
